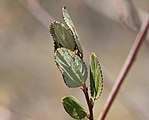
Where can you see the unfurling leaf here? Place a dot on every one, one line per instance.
(96, 77)
(73, 108)
(72, 67)
(62, 36)
(71, 26)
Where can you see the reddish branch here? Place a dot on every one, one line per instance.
(125, 69)
(89, 102)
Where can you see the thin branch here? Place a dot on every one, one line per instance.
(125, 69)
(129, 103)
(89, 102)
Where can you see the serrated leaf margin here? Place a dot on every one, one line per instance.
(62, 71)
(77, 103)
(95, 92)
(54, 36)
(71, 26)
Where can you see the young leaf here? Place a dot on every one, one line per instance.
(62, 36)
(73, 108)
(70, 25)
(72, 67)
(96, 77)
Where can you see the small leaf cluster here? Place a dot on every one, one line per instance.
(68, 54)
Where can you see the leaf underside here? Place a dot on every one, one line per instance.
(70, 25)
(72, 67)
(96, 77)
(73, 108)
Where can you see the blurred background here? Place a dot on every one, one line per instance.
(31, 86)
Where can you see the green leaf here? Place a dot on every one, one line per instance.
(73, 108)
(96, 77)
(70, 24)
(62, 36)
(72, 67)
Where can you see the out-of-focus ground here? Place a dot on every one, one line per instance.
(31, 86)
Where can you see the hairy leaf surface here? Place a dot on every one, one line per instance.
(96, 77)
(62, 36)
(72, 67)
(70, 24)
(73, 108)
